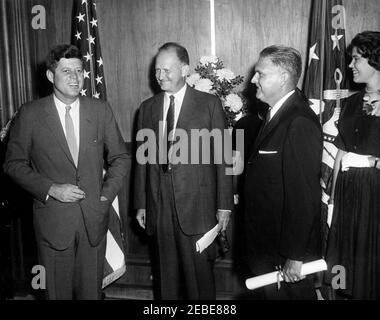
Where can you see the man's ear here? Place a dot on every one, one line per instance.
(185, 70)
(50, 75)
(284, 78)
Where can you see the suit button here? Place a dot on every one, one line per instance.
(355, 147)
(356, 130)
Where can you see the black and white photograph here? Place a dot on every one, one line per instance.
(192, 156)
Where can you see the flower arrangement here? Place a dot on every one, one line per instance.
(210, 76)
(4, 131)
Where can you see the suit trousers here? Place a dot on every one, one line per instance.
(75, 272)
(184, 273)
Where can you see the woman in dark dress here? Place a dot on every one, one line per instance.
(354, 239)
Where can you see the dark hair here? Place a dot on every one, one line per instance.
(62, 51)
(368, 46)
(287, 58)
(181, 52)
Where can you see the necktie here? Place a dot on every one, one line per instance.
(264, 124)
(267, 119)
(70, 135)
(169, 130)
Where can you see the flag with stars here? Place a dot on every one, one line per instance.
(325, 83)
(86, 38)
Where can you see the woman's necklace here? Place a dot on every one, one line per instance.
(371, 103)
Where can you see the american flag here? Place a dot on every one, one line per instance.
(86, 38)
(325, 83)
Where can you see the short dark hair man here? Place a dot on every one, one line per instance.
(56, 152)
(178, 203)
(282, 182)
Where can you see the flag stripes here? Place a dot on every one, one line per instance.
(325, 83)
(86, 38)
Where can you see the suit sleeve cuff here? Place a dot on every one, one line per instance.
(224, 210)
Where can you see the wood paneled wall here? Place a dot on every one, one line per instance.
(245, 27)
(132, 30)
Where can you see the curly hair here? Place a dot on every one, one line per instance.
(368, 45)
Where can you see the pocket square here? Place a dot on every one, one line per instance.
(267, 152)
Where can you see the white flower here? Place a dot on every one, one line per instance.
(234, 102)
(204, 85)
(193, 79)
(225, 74)
(208, 59)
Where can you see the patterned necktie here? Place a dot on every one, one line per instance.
(70, 135)
(169, 129)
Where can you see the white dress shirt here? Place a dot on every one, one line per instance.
(178, 99)
(279, 104)
(74, 113)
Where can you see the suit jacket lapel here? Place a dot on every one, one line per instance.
(273, 123)
(187, 110)
(184, 117)
(54, 124)
(157, 116)
(86, 119)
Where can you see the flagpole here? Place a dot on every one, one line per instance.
(321, 70)
(93, 89)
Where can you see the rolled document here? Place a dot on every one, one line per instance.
(207, 239)
(272, 277)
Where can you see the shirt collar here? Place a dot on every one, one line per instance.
(179, 95)
(62, 106)
(279, 103)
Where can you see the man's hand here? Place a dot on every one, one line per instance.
(66, 193)
(140, 216)
(223, 217)
(292, 271)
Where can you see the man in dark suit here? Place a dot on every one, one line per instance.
(282, 190)
(178, 203)
(57, 150)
